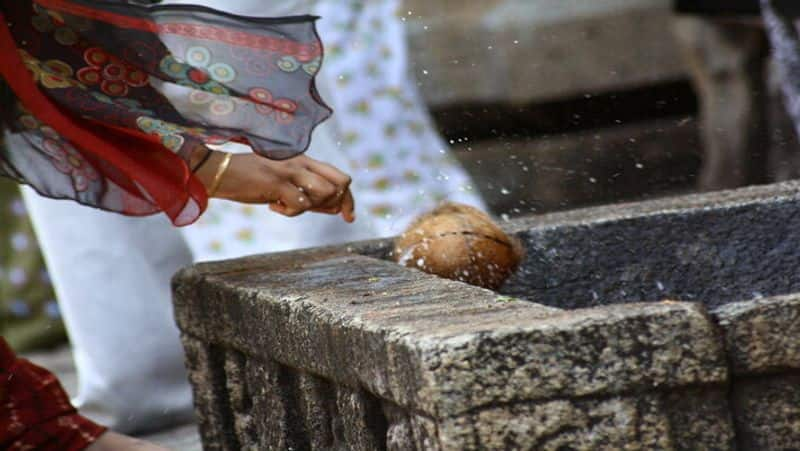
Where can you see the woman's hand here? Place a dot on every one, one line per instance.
(111, 441)
(290, 187)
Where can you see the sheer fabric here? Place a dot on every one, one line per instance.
(88, 81)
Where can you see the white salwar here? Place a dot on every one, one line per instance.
(112, 273)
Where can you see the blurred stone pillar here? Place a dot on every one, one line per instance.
(726, 60)
(747, 133)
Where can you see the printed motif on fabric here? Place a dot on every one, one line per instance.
(64, 157)
(172, 135)
(66, 30)
(114, 77)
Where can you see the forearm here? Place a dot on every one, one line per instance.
(205, 166)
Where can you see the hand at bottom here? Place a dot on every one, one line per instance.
(111, 441)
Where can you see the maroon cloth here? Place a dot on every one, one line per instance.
(35, 411)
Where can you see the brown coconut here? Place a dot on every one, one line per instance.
(461, 243)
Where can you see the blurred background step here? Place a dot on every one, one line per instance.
(634, 161)
(553, 104)
(523, 51)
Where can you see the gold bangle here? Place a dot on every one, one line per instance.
(223, 166)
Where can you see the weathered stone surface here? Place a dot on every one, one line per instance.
(314, 403)
(399, 431)
(334, 349)
(700, 418)
(353, 328)
(609, 424)
(768, 412)
(271, 390)
(683, 420)
(212, 403)
(714, 248)
(762, 335)
(402, 335)
(515, 50)
(363, 425)
(586, 353)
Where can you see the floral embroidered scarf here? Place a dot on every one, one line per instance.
(112, 98)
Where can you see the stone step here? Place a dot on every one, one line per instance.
(667, 324)
(524, 51)
(626, 162)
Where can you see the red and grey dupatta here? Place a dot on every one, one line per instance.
(113, 98)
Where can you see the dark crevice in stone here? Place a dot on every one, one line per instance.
(317, 408)
(730, 388)
(375, 419)
(736, 416)
(742, 440)
(766, 411)
(219, 381)
(296, 433)
(398, 417)
(336, 423)
(241, 364)
(364, 424)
